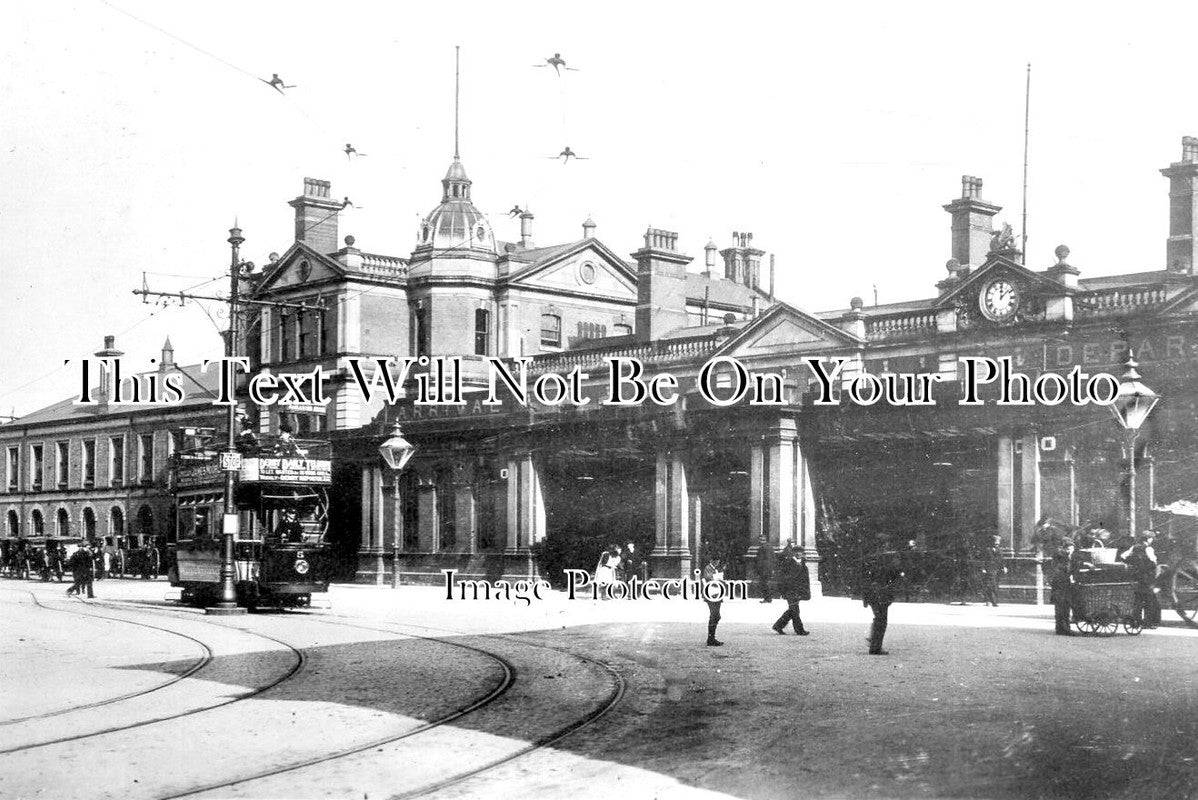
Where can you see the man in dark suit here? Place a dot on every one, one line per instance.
(794, 584)
(1062, 586)
(881, 580)
(82, 566)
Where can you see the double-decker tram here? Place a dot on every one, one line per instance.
(280, 554)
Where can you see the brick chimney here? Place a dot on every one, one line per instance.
(526, 219)
(742, 261)
(104, 392)
(971, 223)
(1180, 247)
(661, 285)
(316, 216)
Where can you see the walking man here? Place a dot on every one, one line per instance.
(881, 581)
(1141, 561)
(82, 571)
(794, 583)
(992, 568)
(765, 568)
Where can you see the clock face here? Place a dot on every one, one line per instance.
(999, 300)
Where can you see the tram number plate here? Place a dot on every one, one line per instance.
(230, 462)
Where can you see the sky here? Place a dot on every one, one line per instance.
(133, 133)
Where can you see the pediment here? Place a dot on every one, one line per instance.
(589, 269)
(785, 329)
(300, 265)
(1032, 283)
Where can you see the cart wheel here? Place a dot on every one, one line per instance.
(1132, 626)
(1086, 626)
(1183, 589)
(1106, 624)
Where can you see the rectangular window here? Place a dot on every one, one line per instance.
(14, 469)
(62, 464)
(145, 458)
(482, 331)
(328, 329)
(35, 467)
(284, 338)
(89, 463)
(551, 330)
(116, 471)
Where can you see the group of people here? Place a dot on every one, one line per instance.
(27, 561)
(1142, 568)
(880, 581)
(619, 563)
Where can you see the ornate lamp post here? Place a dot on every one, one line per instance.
(397, 452)
(1132, 405)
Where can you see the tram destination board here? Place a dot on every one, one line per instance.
(287, 470)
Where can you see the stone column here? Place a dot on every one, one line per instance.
(1006, 491)
(371, 565)
(466, 520)
(757, 490)
(526, 507)
(427, 525)
(671, 551)
(1029, 478)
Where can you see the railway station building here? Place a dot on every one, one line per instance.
(519, 488)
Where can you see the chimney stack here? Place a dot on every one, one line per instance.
(1180, 248)
(709, 251)
(526, 219)
(105, 390)
(661, 285)
(971, 223)
(742, 261)
(588, 229)
(316, 216)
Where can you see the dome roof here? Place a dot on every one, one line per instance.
(455, 223)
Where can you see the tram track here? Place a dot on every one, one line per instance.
(296, 668)
(200, 663)
(613, 698)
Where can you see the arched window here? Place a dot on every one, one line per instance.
(145, 523)
(425, 233)
(39, 524)
(482, 331)
(551, 330)
(14, 525)
(62, 525)
(447, 521)
(89, 524)
(116, 522)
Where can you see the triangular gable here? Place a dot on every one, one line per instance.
(564, 270)
(784, 329)
(290, 271)
(1001, 265)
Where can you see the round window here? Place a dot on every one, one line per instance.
(587, 273)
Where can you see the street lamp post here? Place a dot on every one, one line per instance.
(397, 452)
(1133, 403)
(227, 591)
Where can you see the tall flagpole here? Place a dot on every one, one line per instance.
(1027, 105)
(457, 52)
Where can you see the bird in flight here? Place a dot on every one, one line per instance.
(276, 83)
(515, 212)
(567, 154)
(350, 151)
(558, 63)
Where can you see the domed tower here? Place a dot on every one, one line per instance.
(452, 274)
(455, 224)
